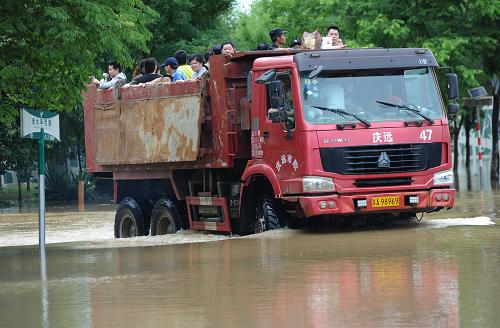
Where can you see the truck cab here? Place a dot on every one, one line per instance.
(352, 132)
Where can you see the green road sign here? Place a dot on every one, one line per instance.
(36, 124)
(33, 121)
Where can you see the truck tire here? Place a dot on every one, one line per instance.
(128, 219)
(165, 218)
(266, 215)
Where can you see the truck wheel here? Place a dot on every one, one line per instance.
(128, 219)
(266, 215)
(165, 218)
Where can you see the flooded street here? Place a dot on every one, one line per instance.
(442, 271)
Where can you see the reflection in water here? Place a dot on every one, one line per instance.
(390, 278)
(411, 275)
(477, 177)
(43, 287)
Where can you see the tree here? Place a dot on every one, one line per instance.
(459, 33)
(462, 34)
(72, 140)
(495, 91)
(49, 48)
(192, 25)
(17, 154)
(4, 165)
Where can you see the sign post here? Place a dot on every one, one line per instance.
(41, 189)
(42, 126)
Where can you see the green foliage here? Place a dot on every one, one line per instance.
(72, 137)
(192, 25)
(63, 185)
(48, 49)
(461, 34)
(16, 154)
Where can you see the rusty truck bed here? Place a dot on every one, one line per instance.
(153, 127)
(154, 124)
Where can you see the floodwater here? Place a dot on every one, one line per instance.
(442, 271)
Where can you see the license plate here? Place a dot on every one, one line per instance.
(385, 201)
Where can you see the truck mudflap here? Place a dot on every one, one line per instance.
(418, 201)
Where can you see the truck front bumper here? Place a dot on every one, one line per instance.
(416, 201)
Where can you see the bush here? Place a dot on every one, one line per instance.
(60, 184)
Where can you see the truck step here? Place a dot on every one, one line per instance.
(208, 222)
(205, 210)
(211, 218)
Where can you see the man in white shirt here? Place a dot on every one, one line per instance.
(115, 74)
(334, 33)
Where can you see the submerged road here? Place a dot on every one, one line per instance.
(443, 271)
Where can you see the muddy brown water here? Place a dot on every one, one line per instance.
(443, 271)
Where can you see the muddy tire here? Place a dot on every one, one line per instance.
(165, 218)
(267, 215)
(128, 219)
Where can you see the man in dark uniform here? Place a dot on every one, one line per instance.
(278, 37)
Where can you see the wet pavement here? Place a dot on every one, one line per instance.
(442, 271)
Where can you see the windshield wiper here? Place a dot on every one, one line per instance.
(342, 112)
(405, 107)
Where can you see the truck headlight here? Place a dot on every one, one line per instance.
(443, 178)
(311, 184)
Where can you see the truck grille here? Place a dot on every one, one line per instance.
(381, 158)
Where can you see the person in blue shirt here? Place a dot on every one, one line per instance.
(171, 66)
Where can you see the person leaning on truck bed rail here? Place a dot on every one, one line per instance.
(182, 59)
(228, 48)
(296, 44)
(333, 32)
(150, 68)
(171, 66)
(138, 70)
(197, 64)
(116, 75)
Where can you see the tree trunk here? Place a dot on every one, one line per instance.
(80, 170)
(467, 127)
(1, 185)
(28, 182)
(494, 132)
(19, 195)
(457, 181)
(456, 132)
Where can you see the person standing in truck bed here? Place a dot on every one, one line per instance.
(171, 66)
(228, 48)
(116, 75)
(278, 38)
(333, 32)
(150, 66)
(197, 64)
(181, 57)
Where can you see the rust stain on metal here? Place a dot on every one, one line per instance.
(153, 131)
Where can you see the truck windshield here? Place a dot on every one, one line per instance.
(366, 93)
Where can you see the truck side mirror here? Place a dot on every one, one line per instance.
(276, 101)
(275, 94)
(452, 85)
(264, 78)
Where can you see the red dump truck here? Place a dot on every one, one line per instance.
(273, 137)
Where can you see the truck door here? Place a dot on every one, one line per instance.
(276, 143)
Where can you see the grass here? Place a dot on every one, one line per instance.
(10, 193)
